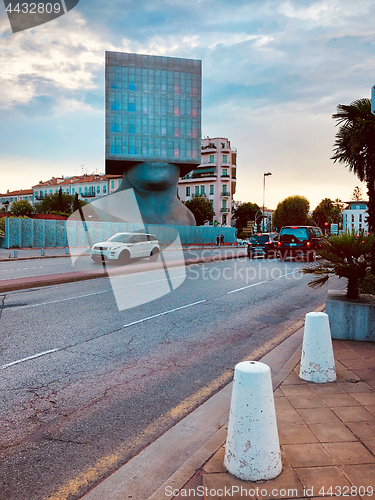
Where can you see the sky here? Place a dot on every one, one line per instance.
(274, 72)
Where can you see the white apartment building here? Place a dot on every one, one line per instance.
(8, 198)
(87, 186)
(354, 216)
(215, 178)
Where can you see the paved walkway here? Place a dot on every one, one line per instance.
(327, 438)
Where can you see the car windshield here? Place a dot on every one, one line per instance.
(122, 238)
(259, 238)
(296, 232)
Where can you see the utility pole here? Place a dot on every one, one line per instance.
(264, 194)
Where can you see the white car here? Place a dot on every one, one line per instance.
(122, 247)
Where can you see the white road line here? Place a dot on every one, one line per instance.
(60, 300)
(125, 326)
(261, 282)
(158, 281)
(27, 359)
(248, 286)
(163, 313)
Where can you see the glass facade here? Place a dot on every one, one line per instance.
(153, 110)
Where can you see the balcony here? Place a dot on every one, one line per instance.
(91, 194)
(211, 145)
(204, 172)
(39, 196)
(227, 176)
(225, 210)
(225, 194)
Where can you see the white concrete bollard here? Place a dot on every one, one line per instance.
(252, 450)
(317, 359)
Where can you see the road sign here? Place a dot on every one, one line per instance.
(334, 228)
(373, 99)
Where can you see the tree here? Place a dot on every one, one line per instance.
(355, 146)
(327, 211)
(244, 213)
(76, 203)
(59, 202)
(21, 208)
(201, 208)
(293, 211)
(347, 256)
(357, 194)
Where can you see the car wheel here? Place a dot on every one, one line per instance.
(124, 258)
(154, 255)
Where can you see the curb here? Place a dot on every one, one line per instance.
(183, 475)
(57, 279)
(176, 456)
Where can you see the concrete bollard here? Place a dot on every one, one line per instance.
(15, 254)
(252, 450)
(317, 359)
(42, 252)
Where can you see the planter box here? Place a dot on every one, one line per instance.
(351, 319)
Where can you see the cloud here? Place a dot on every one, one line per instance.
(57, 57)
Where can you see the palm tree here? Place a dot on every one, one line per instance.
(355, 146)
(345, 255)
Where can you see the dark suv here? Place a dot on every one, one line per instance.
(299, 241)
(264, 244)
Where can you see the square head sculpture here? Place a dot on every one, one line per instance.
(153, 127)
(153, 111)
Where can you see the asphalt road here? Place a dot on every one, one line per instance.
(46, 266)
(85, 387)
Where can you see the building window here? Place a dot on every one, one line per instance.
(112, 184)
(104, 189)
(212, 159)
(352, 217)
(197, 190)
(224, 204)
(80, 190)
(73, 190)
(203, 190)
(360, 218)
(224, 171)
(225, 158)
(187, 191)
(222, 144)
(211, 189)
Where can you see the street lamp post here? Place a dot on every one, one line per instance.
(264, 193)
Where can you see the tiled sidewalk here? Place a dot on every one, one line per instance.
(327, 438)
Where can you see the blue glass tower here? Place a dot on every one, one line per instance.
(153, 111)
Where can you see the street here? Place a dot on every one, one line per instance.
(85, 387)
(47, 266)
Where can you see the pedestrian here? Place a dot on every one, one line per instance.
(222, 239)
(217, 240)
